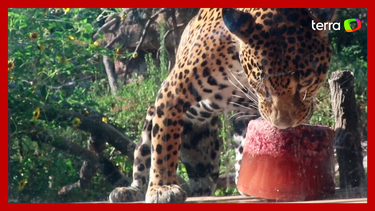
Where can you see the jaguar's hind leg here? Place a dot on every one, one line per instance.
(200, 153)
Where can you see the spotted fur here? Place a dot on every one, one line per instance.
(256, 62)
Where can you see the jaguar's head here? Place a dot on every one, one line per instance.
(285, 59)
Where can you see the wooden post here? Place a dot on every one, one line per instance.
(347, 139)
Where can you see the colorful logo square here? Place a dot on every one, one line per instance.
(347, 26)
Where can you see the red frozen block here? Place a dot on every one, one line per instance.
(295, 164)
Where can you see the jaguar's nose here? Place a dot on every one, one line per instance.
(282, 119)
(283, 123)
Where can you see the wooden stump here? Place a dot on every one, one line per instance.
(347, 139)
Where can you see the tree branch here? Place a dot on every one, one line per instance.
(105, 165)
(113, 41)
(105, 27)
(152, 18)
(112, 78)
(174, 25)
(93, 125)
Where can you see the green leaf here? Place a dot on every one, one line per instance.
(61, 95)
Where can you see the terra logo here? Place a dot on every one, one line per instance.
(336, 26)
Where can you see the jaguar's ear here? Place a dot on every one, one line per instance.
(238, 22)
(323, 14)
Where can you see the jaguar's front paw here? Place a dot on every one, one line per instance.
(126, 194)
(165, 194)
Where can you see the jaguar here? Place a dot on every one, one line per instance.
(251, 62)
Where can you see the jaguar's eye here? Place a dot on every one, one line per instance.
(303, 88)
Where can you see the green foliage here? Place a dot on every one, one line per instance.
(50, 62)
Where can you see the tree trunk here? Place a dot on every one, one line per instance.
(347, 138)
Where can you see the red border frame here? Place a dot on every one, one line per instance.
(180, 4)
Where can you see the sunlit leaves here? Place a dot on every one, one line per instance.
(76, 122)
(36, 114)
(105, 120)
(66, 10)
(33, 36)
(10, 65)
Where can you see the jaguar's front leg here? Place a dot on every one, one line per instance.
(165, 150)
